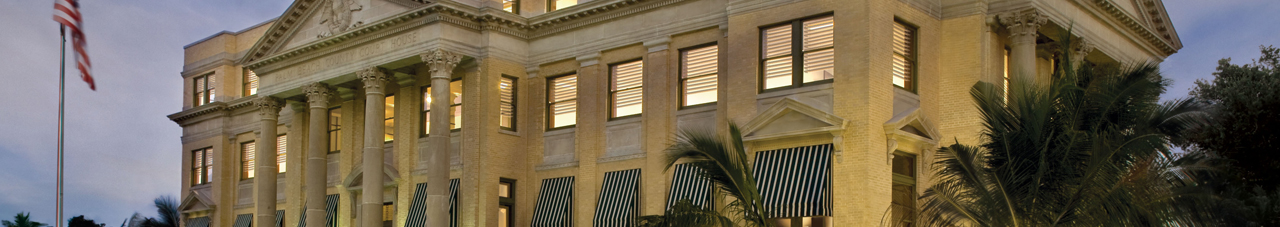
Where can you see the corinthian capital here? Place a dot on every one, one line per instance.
(268, 107)
(374, 79)
(440, 61)
(1023, 23)
(1082, 48)
(317, 94)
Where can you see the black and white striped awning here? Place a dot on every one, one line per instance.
(198, 222)
(418, 207)
(279, 218)
(555, 203)
(619, 197)
(243, 220)
(687, 183)
(330, 209)
(795, 182)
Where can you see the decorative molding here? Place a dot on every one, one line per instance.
(656, 45)
(1023, 25)
(588, 60)
(620, 158)
(268, 107)
(438, 59)
(532, 71)
(1169, 47)
(556, 166)
(375, 80)
(318, 94)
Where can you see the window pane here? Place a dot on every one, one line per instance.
(564, 103)
(819, 65)
(388, 212)
(504, 190)
(627, 88)
(503, 213)
(389, 123)
(819, 56)
(777, 41)
(509, 5)
(506, 102)
(903, 55)
(212, 84)
(208, 165)
(561, 4)
(335, 129)
(281, 147)
(247, 151)
(699, 70)
(819, 33)
(251, 82)
(777, 72)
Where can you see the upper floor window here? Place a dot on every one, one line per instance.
(247, 151)
(281, 147)
(389, 119)
(507, 102)
(626, 89)
(562, 101)
(785, 64)
(553, 5)
(512, 6)
(904, 56)
(335, 130)
(250, 82)
(455, 94)
(506, 201)
(201, 166)
(204, 92)
(699, 72)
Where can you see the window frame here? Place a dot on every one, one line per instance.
(683, 99)
(282, 152)
(551, 5)
(914, 79)
(246, 84)
(203, 169)
(244, 164)
(550, 111)
(201, 97)
(334, 131)
(515, 7)
(422, 115)
(613, 79)
(390, 117)
(797, 53)
(911, 181)
(515, 100)
(509, 201)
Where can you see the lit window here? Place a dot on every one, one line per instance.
(388, 213)
(247, 151)
(281, 140)
(904, 189)
(204, 92)
(562, 101)
(250, 82)
(780, 65)
(455, 93)
(389, 121)
(699, 69)
(1006, 76)
(506, 201)
(553, 5)
(904, 56)
(201, 166)
(512, 6)
(626, 90)
(507, 102)
(335, 130)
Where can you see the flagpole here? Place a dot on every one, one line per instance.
(62, 77)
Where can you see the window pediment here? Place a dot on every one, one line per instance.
(196, 202)
(787, 118)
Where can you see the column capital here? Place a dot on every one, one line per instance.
(438, 60)
(1081, 49)
(268, 107)
(318, 94)
(1023, 23)
(375, 80)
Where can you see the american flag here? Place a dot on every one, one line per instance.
(67, 12)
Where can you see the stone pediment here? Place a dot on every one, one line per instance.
(355, 180)
(1156, 17)
(910, 132)
(311, 21)
(787, 118)
(196, 202)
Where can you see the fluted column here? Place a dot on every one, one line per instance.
(375, 82)
(317, 148)
(265, 172)
(440, 65)
(1023, 29)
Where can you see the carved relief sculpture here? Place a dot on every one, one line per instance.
(336, 15)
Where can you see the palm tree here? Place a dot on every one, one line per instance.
(167, 208)
(724, 162)
(1089, 149)
(22, 220)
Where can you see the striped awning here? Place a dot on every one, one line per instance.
(418, 208)
(687, 183)
(243, 220)
(279, 218)
(198, 222)
(555, 203)
(795, 182)
(619, 197)
(331, 212)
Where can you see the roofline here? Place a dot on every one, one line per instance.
(224, 32)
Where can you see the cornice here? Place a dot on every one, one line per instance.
(214, 107)
(1165, 46)
(600, 11)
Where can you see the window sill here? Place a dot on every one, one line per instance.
(560, 131)
(700, 108)
(509, 132)
(791, 91)
(623, 120)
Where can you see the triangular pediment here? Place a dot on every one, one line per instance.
(789, 117)
(355, 180)
(196, 201)
(1154, 16)
(911, 126)
(311, 21)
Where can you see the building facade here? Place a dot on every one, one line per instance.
(559, 111)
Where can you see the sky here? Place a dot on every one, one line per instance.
(122, 152)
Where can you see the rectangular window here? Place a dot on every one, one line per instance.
(904, 56)
(506, 201)
(389, 121)
(281, 141)
(553, 5)
(512, 6)
(201, 166)
(203, 92)
(780, 65)
(247, 151)
(388, 214)
(455, 94)
(507, 102)
(1006, 76)
(250, 82)
(626, 89)
(335, 130)
(904, 189)
(562, 101)
(699, 72)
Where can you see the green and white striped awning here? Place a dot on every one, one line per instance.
(555, 203)
(331, 212)
(243, 220)
(279, 218)
(619, 196)
(795, 182)
(198, 222)
(687, 183)
(418, 208)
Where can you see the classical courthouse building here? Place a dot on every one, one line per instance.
(540, 113)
